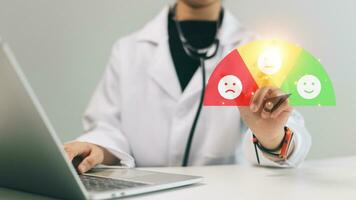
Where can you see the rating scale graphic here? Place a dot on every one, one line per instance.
(274, 63)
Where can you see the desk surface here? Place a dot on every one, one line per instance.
(323, 179)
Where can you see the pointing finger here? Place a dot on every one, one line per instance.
(90, 161)
(258, 98)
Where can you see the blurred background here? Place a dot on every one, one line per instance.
(63, 47)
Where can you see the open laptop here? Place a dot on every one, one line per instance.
(32, 158)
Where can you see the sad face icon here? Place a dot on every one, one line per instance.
(230, 87)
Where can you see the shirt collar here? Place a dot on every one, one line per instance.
(156, 30)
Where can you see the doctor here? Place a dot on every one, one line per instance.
(142, 111)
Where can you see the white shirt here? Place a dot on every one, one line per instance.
(140, 115)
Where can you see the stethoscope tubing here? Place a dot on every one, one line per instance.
(201, 55)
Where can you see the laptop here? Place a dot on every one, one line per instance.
(32, 158)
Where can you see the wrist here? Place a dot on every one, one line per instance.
(281, 152)
(108, 157)
(272, 141)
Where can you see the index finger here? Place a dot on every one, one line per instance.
(75, 149)
(258, 97)
(275, 102)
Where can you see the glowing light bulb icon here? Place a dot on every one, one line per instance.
(270, 61)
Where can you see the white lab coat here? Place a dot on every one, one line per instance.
(140, 114)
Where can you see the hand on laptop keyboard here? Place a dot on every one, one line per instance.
(85, 156)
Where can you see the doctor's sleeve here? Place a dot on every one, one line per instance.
(102, 118)
(302, 144)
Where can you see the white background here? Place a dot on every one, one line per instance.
(63, 46)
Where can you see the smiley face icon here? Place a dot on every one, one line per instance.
(270, 61)
(230, 87)
(309, 87)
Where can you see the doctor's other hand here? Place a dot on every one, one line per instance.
(90, 155)
(267, 126)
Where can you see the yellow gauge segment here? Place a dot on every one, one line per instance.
(269, 61)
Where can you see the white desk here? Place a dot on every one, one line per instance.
(317, 180)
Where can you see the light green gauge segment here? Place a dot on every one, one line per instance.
(309, 83)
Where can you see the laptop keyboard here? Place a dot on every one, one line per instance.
(100, 184)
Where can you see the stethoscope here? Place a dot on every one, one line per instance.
(201, 55)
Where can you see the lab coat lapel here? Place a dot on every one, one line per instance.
(163, 72)
(161, 69)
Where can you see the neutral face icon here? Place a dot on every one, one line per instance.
(230, 87)
(270, 61)
(309, 87)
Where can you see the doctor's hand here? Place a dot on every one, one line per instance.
(267, 126)
(90, 155)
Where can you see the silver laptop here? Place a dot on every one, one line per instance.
(32, 158)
